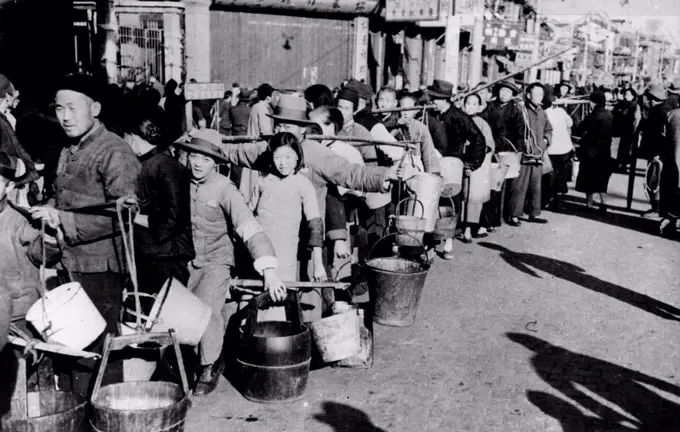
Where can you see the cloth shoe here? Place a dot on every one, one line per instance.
(515, 222)
(537, 220)
(210, 375)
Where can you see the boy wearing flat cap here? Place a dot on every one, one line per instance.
(219, 214)
(96, 168)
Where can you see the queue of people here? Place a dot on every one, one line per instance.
(298, 208)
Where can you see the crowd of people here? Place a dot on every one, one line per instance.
(283, 207)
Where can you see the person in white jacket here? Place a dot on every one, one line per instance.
(560, 151)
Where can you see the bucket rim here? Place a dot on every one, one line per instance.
(158, 304)
(184, 399)
(51, 307)
(305, 329)
(424, 266)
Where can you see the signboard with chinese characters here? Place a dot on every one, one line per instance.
(361, 48)
(411, 10)
(501, 34)
(445, 10)
(354, 7)
(468, 10)
(201, 91)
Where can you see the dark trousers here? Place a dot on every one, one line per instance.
(152, 273)
(105, 290)
(524, 192)
(492, 210)
(555, 182)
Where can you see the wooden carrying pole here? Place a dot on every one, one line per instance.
(478, 89)
(358, 142)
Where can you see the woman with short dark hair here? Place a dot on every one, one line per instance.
(594, 152)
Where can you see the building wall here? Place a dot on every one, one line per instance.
(285, 50)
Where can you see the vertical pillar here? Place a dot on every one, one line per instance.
(173, 45)
(197, 33)
(475, 74)
(379, 55)
(452, 48)
(414, 49)
(429, 60)
(533, 72)
(108, 39)
(360, 64)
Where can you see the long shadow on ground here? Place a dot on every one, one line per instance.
(526, 263)
(598, 386)
(575, 206)
(344, 418)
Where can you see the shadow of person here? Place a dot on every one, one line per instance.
(344, 418)
(526, 263)
(570, 417)
(618, 396)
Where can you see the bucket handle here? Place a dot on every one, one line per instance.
(399, 205)
(337, 273)
(293, 311)
(368, 256)
(117, 343)
(453, 206)
(511, 144)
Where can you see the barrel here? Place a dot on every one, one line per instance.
(45, 410)
(50, 411)
(140, 406)
(274, 356)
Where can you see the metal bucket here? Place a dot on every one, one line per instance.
(411, 228)
(396, 287)
(67, 316)
(426, 188)
(179, 309)
(274, 356)
(512, 160)
(452, 176)
(338, 336)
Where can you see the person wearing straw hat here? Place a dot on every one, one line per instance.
(218, 214)
(97, 167)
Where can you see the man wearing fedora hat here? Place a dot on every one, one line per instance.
(322, 165)
(464, 140)
(219, 213)
(96, 168)
(239, 114)
(460, 129)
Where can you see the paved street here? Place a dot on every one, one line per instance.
(572, 326)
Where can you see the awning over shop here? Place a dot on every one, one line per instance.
(351, 7)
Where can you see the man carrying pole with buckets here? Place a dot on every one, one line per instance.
(98, 167)
(218, 212)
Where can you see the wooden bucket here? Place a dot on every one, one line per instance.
(46, 410)
(139, 406)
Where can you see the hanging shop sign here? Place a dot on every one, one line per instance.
(353, 7)
(444, 11)
(501, 34)
(202, 91)
(361, 48)
(468, 10)
(525, 43)
(411, 10)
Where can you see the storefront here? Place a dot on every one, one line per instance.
(290, 44)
